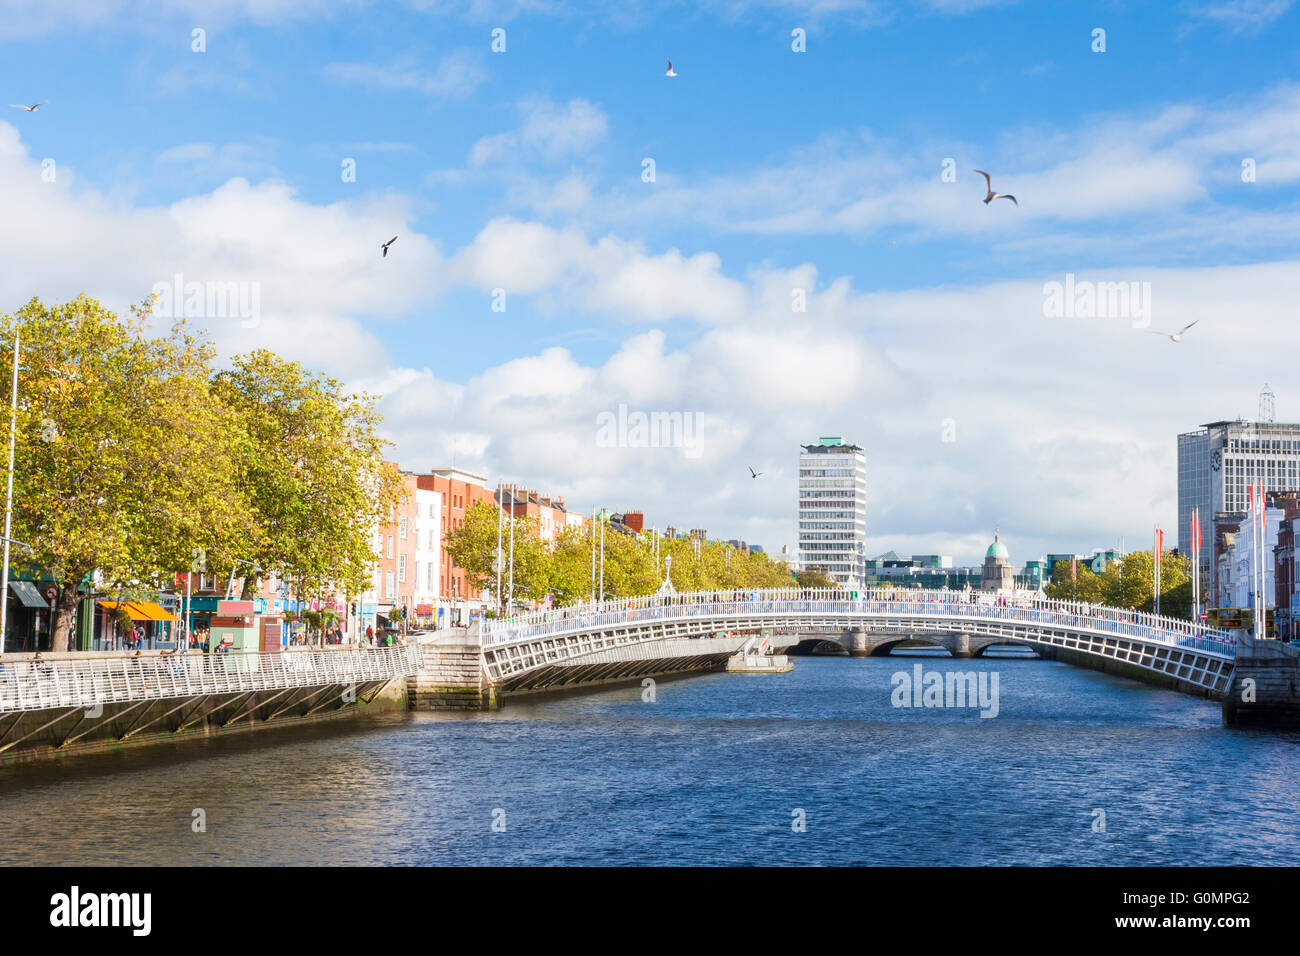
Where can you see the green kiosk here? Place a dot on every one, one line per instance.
(233, 630)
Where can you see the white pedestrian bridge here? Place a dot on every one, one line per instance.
(59, 699)
(528, 650)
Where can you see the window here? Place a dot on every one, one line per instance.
(390, 585)
(390, 546)
(401, 568)
(401, 527)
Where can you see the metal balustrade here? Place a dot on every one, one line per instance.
(785, 607)
(71, 682)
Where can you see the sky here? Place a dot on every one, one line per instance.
(783, 241)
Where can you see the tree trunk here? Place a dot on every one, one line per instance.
(65, 608)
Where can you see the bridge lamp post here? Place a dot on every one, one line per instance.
(9, 496)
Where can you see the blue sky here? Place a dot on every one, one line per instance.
(775, 171)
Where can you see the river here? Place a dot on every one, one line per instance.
(718, 769)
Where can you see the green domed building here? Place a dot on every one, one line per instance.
(997, 574)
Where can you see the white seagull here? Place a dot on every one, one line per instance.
(992, 195)
(670, 72)
(31, 109)
(387, 244)
(1175, 336)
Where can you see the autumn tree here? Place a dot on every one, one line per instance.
(1129, 582)
(311, 472)
(121, 458)
(473, 546)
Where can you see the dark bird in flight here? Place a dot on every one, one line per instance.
(992, 195)
(753, 473)
(387, 244)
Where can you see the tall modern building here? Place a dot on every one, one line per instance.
(1216, 465)
(833, 510)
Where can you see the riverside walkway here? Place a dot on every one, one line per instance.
(60, 699)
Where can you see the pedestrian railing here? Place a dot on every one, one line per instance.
(71, 682)
(945, 608)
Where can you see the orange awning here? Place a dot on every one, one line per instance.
(142, 610)
(156, 612)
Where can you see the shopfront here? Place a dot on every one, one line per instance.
(135, 625)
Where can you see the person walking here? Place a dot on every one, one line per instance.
(370, 634)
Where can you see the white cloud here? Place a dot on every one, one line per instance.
(1160, 169)
(1065, 429)
(1243, 16)
(455, 76)
(546, 129)
(316, 267)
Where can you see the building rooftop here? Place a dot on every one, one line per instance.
(459, 474)
(997, 549)
(832, 443)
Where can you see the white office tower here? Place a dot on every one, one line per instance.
(1217, 463)
(833, 510)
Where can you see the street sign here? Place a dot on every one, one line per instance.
(51, 593)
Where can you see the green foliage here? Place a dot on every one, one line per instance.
(1129, 583)
(473, 546)
(120, 458)
(311, 472)
(814, 579)
(629, 564)
(135, 459)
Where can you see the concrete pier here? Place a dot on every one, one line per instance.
(451, 675)
(1265, 688)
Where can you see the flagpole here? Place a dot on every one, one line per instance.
(500, 513)
(510, 587)
(9, 501)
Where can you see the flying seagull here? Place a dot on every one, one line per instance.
(670, 72)
(1176, 336)
(754, 474)
(31, 109)
(992, 195)
(387, 244)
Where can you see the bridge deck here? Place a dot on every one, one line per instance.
(1187, 652)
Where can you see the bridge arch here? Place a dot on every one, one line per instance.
(1177, 653)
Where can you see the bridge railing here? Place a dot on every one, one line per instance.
(38, 684)
(940, 604)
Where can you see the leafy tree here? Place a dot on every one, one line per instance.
(121, 453)
(311, 472)
(1129, 583)
(473, 546)
(814, 579)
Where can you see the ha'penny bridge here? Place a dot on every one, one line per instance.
(1258, 682)
(50, 705)
(624, 638)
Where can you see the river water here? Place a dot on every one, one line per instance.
(718, 769)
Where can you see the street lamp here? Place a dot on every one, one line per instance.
(9, 497)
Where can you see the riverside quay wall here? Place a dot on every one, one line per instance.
(56, 705)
